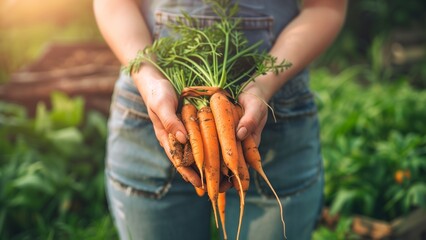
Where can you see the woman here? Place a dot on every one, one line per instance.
(147, 199)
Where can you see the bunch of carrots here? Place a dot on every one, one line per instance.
(209, 67)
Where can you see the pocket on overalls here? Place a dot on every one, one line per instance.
(136, 162)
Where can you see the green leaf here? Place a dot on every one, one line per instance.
(416, 195)
(344, 196)
(96, 121)
(42, 119)
(12, 114)
(66, 140)
(66, 112)
(33, 182)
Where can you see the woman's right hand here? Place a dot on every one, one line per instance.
(161, 101)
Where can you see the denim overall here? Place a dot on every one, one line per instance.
(149, 200)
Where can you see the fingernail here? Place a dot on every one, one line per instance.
(181, 137)
(242, 133)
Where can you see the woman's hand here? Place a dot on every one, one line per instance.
(126, 32)
(161, 101)
(254, 103)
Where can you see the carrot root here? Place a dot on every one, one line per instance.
(188, 157)
(211, 155)
(200, 191)
(253, 158)
(224, 118)
(176, 150)
(190, 120)
(222, 209)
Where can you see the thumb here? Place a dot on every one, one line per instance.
(172, 123)
(250, 123)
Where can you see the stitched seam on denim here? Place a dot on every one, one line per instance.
(306, 186)
(131, 111)
(302, 114)
(298, 114)
(295, 85)
(134, 191)
(304, 97)
(246, 23)
(131, 97)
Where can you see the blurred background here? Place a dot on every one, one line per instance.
(56, 77)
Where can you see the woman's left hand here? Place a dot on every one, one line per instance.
(255, 108)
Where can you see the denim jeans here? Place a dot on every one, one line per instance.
(149, 200)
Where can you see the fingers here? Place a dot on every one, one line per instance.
(171, 123)
(163, 105)
(165, 121)
(253, 119)
(187, 173)
(162, 102)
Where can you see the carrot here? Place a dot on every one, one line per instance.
(221, 108)
(225, 184)
(181, 153)
(222, 206)
(242, 165)
(223, 168)
(188, 157)
(252, 156)
(224, 119)
(211, 155)
(225, 177)
(200, 191)
(176, 151)
(190, 120)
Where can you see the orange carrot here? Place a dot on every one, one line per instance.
(225, 184)
(211, 155)
(252, 156)
(190, 120)
(224, 119)
(223, 168)
(176, 150)
(221, 108)
(242, 165)
(226, 176)
(222, 206)
(188, 157)
(200, 191)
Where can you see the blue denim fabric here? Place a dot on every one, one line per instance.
(149, 200)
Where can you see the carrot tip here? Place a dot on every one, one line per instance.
(215, 214)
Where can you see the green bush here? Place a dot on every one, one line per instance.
(374, 145)
(51, 172)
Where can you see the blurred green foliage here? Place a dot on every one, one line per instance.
(370, 134)
(51, 172)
